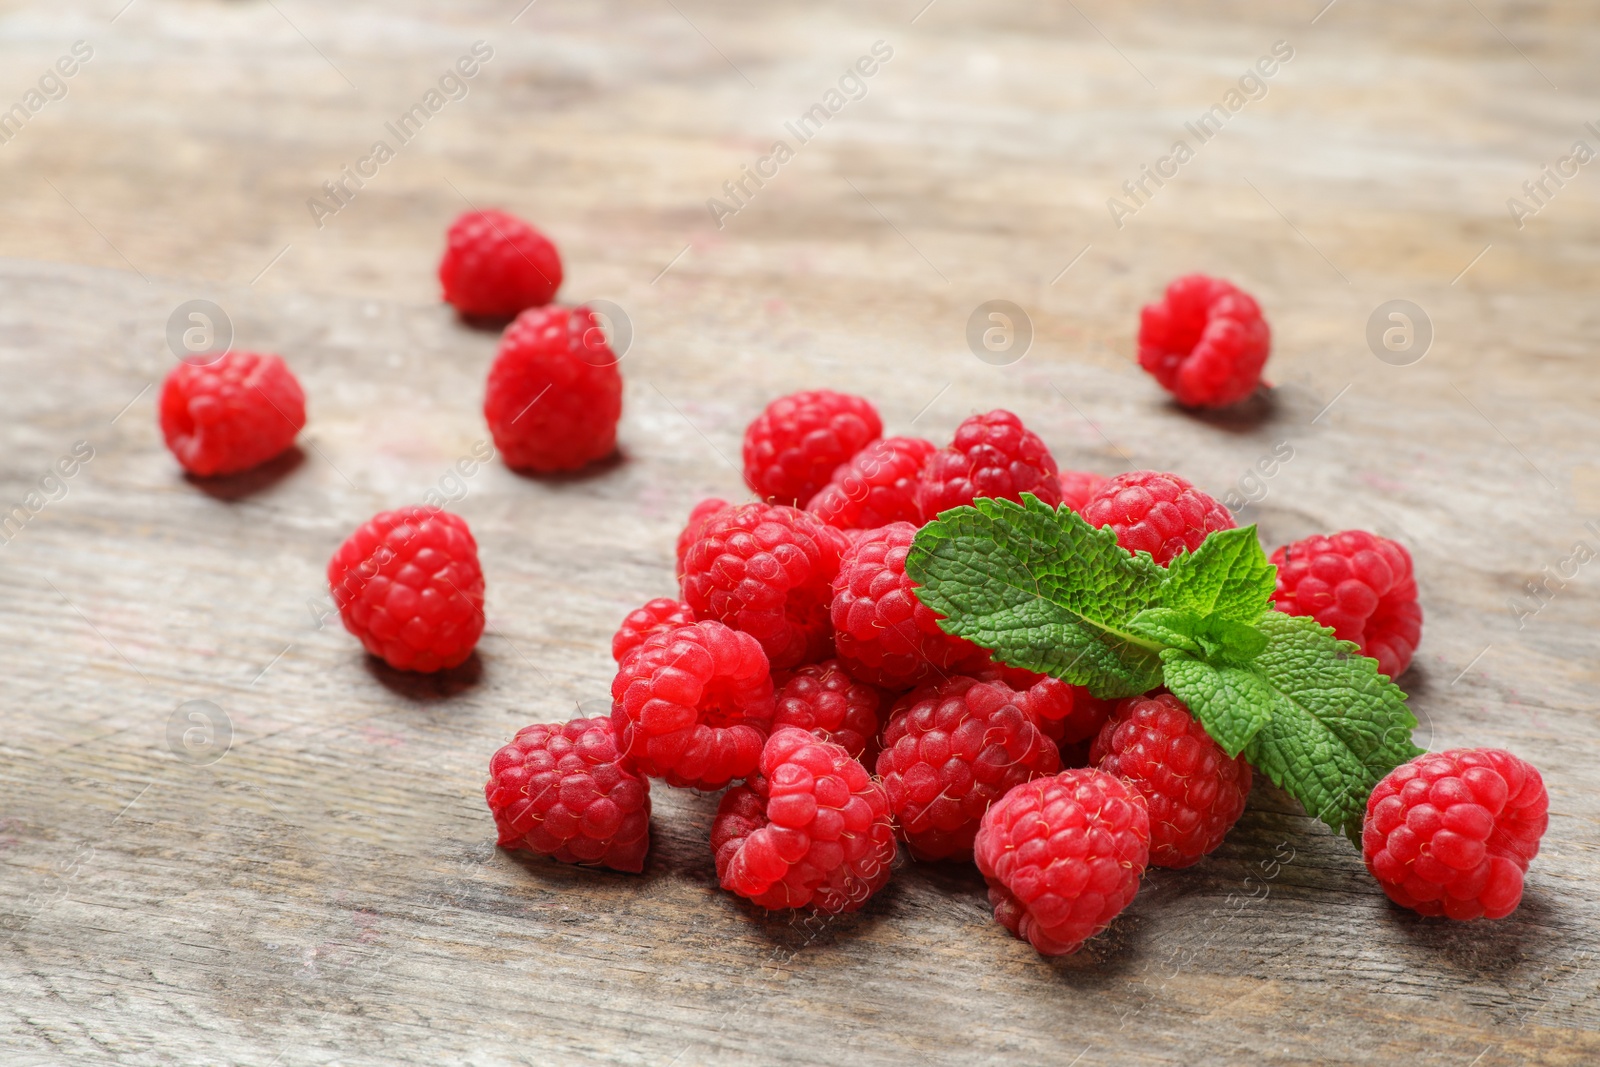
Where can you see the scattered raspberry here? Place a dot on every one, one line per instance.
(409, 586)
(692, 529)
(877, 486)
(992, 455)
(693, 705)
(1358, 584)
(496, 265)
(1205, 342)
(231, 414)
(659, 615)
(554, 393)
(1078, 486)
(794, 446)
(767, 569)
(950, 750)
(1193, 791)
(884, 634)
(562, 790)
(1161, 514)
(812, 829)
(1063, 856)
(822, 698)
(1452, 833)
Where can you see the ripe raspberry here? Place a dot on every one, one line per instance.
(554, 394)
(693, 705)
(409, 586)
(794, 446)
(992, 455)
(875, 487)
(496, 265)
(1193, 791)
(231, 414)
(1452, 833)
(563, 790)
(884, 634)
(950, 750)
(822, 698)
(692, 529)
(1078, 486)
(767, 569)
(1161, 514)
(812, 829)
(1358, 584)
(1066, 714)
(1063, 856)
(657, 616)
(1205, 342)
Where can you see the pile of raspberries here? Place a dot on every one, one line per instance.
(797, 671)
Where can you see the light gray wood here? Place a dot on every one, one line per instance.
(327, 891)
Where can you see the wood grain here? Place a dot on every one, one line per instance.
(327, 892)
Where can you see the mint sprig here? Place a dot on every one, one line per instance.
(1044, 590)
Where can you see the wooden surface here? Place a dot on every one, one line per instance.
(320, 885)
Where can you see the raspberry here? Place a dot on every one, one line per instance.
(1358, 584)
(877, 486)
(992, 455)
(554, 394)
(563, 790)
(1161, 514)
(1205, 342)
(812, 829)
(767, 569)
(496, 265)
(1063, 856)
(949, 751)
(692, 529)
(693, 705)
(1066, 714)
(1193, 791)
(1078, 486)
(884, 634)
(822, 698)
(1452, 833)
(409, 586)
(231, 414)
(794, 446)
(657, 616)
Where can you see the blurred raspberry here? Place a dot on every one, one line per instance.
(232, 413)
(496, 265)
(1205, 342)
(554, 393)
(793, 447)
(1078, 486)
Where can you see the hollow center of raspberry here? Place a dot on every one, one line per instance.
(720, 706)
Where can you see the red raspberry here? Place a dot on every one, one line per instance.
(692, 529)
(409, 586)
(877, 486)
(812, 829)
(992, 455)
(1194, 792)
(822, 698)
(231, 414)
(767, 569)
(562, 790)
(884, 634)
(1161, 514)
(554, 394)
(794, 446)
(1078, 486)
(1205, 342)
(496, 265)
(1066, 714)
(949, 751)
(1063, 856)
(1452, 833)
(657, 616)
(693, 705)
(1359, 585)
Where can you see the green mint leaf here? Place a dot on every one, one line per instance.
(1228, 576)
(1336, 727)
(1235, 643)
(1043, 589)
(1175, 629)
(1232, 703)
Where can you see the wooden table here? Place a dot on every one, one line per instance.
(314, 881)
